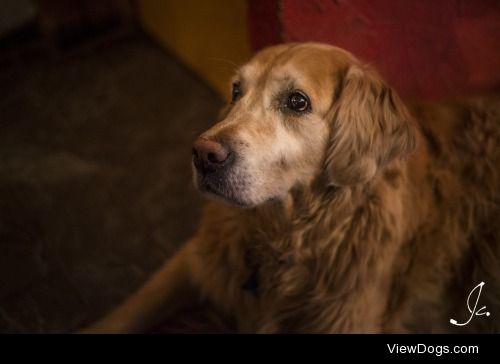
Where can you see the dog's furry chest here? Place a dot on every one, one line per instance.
(269, 280)
(287, 280)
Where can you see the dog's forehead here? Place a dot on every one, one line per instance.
(309, 62)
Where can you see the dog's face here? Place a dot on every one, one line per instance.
(298, 112)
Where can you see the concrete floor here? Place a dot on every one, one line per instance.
(95, 179)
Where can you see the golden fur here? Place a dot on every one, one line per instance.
(362, 215)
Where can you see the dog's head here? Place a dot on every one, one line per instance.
(300, 112)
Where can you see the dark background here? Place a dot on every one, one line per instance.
(95, 180)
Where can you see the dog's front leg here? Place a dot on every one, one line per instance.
(168, 290)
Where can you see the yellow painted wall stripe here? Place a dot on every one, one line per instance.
(209, 36)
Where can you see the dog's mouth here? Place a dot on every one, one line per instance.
(210, 188)
(220, 192)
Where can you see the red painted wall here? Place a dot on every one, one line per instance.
(426, 49)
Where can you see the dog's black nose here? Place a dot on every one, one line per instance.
(209, 155)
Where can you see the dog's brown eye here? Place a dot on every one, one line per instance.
(236, 92)
(298, 102)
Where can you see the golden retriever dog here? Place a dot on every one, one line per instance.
(337, 208)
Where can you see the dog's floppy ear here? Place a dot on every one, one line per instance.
(370, 127)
